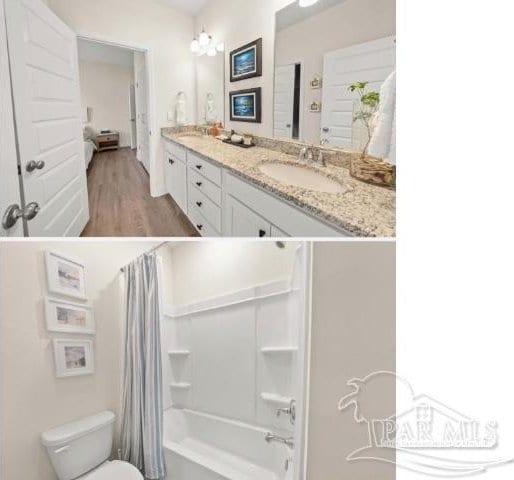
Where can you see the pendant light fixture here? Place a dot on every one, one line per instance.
(203, 44)
(204, 38)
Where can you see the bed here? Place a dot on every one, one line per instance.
(90, 146)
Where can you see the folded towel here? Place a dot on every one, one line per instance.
(382, 139)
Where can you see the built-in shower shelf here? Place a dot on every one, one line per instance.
(179, 353)
(180, 386)
(279, 350)
(276, 399)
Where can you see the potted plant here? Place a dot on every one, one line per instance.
(367, 168)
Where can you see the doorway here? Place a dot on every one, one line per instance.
(288, 101)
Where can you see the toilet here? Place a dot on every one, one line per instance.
(81, 449)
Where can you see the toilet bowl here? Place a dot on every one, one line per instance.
(80, 450)
(115, 470)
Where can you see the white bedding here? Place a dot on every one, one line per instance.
(89, 151)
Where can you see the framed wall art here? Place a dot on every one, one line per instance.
(73, 358)
(246, 105)
(67, 317)
(66, 275)
(246, 62)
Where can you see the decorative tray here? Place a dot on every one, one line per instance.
(240, 145)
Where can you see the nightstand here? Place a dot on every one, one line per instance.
(108, 141)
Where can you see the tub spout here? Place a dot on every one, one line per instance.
(270, 437)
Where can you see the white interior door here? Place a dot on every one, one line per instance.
(284, 101)
(143, 147)
(45, 82)
(133, 114)
(369, 62)
(9, 182)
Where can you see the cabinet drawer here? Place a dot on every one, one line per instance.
(108, 139)
(206, 186)
(201, 224)
(208, 170)
(176, 150)
(209, 210)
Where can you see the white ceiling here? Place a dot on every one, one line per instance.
(293, 13)
(101, 53)
(189, 6)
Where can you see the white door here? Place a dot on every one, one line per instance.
(45, 81)
(9, 182)
(284, 101)
(143, 130)
(133, 114)
(240, 221)
(176, 180)
(370, 62)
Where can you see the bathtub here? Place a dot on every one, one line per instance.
(204, 447)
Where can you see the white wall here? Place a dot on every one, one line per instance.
(105, 88)
(237, 23)
(165, 32)
(347, 24)
(32, 399)
(353, 335)
(201, 270)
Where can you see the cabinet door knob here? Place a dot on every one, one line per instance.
(262, 233)
(171, 161)
(199, 184)
(199, 204)
(199, 227)
(199, 167)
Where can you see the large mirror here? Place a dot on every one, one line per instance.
(210, 74)
(321, 51)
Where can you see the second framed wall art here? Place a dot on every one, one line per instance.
(246, 105)
(246, 62)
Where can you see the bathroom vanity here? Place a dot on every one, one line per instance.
(228, 191)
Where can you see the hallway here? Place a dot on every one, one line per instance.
(120, 202)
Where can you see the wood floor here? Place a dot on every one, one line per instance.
(120, 202)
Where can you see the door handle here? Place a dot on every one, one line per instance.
(199, 227)
(171, 161)
(199, 184)
(33, 165)
(199, 204)
(262, 233)
(326, 129)
(288, 125)
(199, 167)
(14, 213)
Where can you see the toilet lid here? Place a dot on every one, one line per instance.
(115, 471)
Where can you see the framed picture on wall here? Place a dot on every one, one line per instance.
(65, 275)
(246, 62)
(246, 105)
(73, 358)
(66, 317)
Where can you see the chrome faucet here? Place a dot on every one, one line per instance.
(306, 155)
(270, 437)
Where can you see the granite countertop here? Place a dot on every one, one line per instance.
(362, 209)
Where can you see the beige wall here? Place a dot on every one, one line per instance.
(105, 88)
(353, 335)
(201, 270)
(165, 32)
(32, 399)
(350, 23)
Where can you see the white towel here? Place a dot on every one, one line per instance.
(382, 140)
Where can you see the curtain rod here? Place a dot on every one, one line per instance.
(152, 250)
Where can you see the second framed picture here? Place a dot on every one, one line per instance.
(73, 358)
(67, 317)
(66, 276)
(246, 62)
(245, 105)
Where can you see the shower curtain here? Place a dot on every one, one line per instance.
(142, 413)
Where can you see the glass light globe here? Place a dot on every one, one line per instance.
(204, 39)
(211, 52)
(220, 47)
(195, 46)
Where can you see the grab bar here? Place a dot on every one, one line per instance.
(270, 437)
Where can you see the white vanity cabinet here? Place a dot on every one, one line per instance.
(252, 210)
(176, 175)
(222, 204)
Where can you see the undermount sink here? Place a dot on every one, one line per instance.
(301, 177)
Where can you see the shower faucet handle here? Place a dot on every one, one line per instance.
(291, 411)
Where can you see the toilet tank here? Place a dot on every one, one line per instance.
(81, 446)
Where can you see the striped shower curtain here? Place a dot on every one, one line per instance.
(142, 413)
